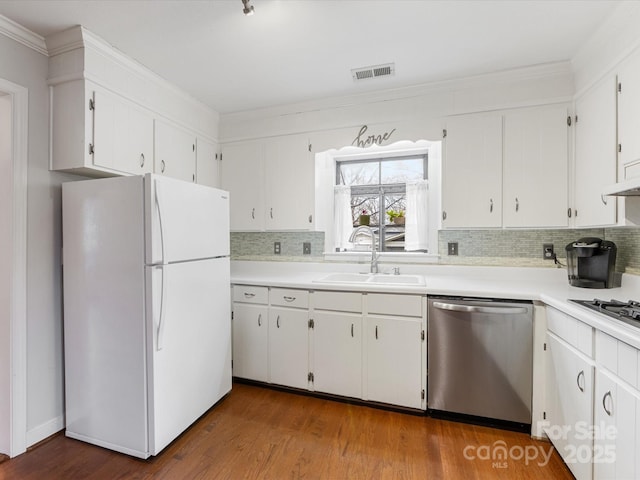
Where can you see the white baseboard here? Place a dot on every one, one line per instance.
(45, 430)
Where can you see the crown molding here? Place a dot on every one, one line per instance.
(20, 34)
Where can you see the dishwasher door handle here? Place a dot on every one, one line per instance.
(454, 307)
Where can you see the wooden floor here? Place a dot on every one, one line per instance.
(258, 432)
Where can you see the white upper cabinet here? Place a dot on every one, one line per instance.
(271, 183)
(289, 186)
(122, 134)
(175, 152)
(535, 175)
(472, 172)
(207, 163)
(629, 118)
(97, 132)
(242, 175)
(595, 155)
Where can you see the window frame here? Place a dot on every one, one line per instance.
(380, 189)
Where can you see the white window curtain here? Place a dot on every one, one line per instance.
(343, 223)
(416, 230)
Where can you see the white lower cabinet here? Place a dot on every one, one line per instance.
(337, 353)
(615, 429)
(289, 346)
(393, 368)
(324, 341)
(250, 341)
(569, 404)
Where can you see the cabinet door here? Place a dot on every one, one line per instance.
(175, 152)
(242, 175)
(289, 347)
(535, 168)
(337, 353)
(472, 172)
(569, 405)
(595, 159)
(629, 113)
(207, 163)
(122, 135)
(289, 184)
(615, 447)
(250, 347)
(394, 365)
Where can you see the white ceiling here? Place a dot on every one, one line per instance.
(298, 50)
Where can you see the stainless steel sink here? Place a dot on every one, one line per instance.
(372, 278)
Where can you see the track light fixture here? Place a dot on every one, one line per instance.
(248, 9)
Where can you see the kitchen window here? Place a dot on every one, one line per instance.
(377, 196)
(403, 176)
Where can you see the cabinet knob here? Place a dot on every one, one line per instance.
(569, 212)
(491, 205)
(444, 215)
(161, 166)
(141, 160)
(253, 213)
(517, 204)
(278, 322)
(260, 320)
(271, 212)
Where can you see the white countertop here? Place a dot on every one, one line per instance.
(547, 285)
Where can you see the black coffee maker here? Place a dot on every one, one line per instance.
(591, 263)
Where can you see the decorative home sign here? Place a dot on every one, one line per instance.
(363, 141)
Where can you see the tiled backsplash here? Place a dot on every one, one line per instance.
(475, 247)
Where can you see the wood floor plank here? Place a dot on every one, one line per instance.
(263, 433)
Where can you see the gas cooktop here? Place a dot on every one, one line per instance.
(628, 312)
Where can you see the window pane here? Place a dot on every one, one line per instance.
(359, 173)
(365, 205)
(402, 171)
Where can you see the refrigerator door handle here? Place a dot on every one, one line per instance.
(161, 321)
(159, 208)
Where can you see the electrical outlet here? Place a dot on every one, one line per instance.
(547, 251)
(452, 248)
(276, 248)
(306, 248)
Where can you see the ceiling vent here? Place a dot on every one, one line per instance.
(373, 71)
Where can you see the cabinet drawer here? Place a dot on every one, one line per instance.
(390, 304)
(337, 301)
(571, 330)
(288, 297)
(618, 357)
(250, 294)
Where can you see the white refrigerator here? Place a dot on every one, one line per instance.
(147, 320)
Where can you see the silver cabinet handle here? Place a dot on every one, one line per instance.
(491, 205)
(352, 330)
(376, 332)
(161, 166)
(444, 215)
(569, 212)
(141, 160)
(271, 212)
(278, 322)
(253, 213)
(453, 307)
(260, 320)
(604, 402)
(289, 299)
(580, 387)
(517, 204)
(249, 295)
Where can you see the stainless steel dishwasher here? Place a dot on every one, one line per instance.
(480, 357)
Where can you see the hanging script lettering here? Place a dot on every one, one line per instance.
(363, 141)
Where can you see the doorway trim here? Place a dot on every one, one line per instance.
(18, 274)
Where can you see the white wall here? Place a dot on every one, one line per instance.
(5, 268)
(45, 386)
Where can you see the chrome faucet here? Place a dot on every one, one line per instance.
(374, 255)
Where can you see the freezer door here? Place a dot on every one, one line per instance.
(189, 350)
(184, 221)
